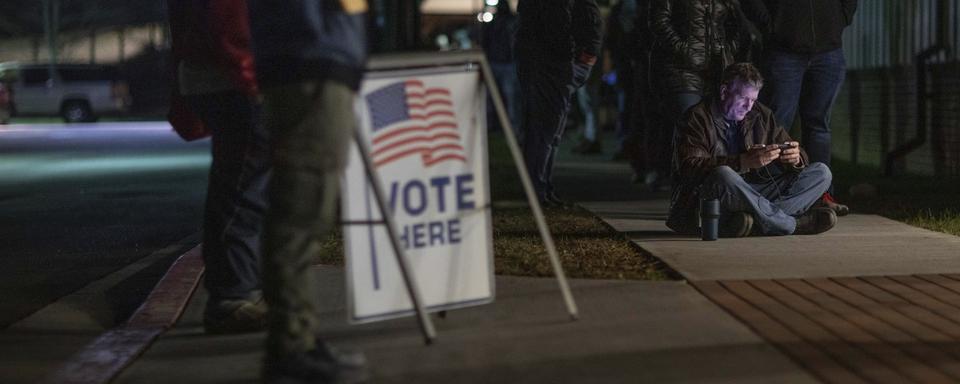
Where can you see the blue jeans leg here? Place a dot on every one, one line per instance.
(810, 84)
(804, 189)
(737, 195)
(821, 85)
(783, 79)
(774, 202)
(236, 193)
(505, 75)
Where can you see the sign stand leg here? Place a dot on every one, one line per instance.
(426, 325)
(528, 188)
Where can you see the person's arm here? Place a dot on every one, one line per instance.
(758, 14)
(661, 27)
(587, 30)
(230, 35)
(849, 8)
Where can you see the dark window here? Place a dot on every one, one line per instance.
(34, 76)
(88, 74)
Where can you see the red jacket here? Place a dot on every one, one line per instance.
(216, 33)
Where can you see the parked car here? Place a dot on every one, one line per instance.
(76, 92)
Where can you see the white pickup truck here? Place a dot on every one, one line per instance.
(76, 92)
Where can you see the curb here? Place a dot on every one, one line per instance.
(104, 358)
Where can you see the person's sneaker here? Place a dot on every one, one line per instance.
(816, 220)
(828, 201)
(235, 316)
(737, 224)
(324, 364)
(557, 201)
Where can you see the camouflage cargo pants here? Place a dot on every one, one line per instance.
(311, 125)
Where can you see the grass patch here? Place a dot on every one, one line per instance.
(923, 201)
(587, 247)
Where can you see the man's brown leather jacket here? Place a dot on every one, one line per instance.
(699, 146)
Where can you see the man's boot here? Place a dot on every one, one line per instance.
(816, 220)
(828, 201)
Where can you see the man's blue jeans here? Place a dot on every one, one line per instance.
(774, 201)
(505, 74)
(810, 83)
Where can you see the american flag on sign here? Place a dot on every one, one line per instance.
(412, 120)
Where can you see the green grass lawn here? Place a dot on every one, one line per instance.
(924, 201)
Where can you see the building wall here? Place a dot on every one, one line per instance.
(107, 46)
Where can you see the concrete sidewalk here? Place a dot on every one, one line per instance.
(860, 245)
(628, 332)
(870, 301)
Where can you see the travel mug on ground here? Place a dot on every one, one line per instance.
(709, 219)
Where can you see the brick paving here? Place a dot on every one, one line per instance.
(882, 329)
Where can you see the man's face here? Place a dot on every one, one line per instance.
(737, 100)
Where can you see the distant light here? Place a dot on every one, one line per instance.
(485, 17)
(493, 3)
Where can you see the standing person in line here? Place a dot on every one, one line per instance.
(497, 39)
(217, 94)
(557, 45)
(310, 57)
(805, 68)
(694, 41)
(590, 143)
(621, 45)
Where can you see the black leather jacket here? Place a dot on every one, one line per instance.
(558, 29)
(802, 26)
(693, 41)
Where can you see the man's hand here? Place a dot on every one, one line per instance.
(791, 156)
(758, 156)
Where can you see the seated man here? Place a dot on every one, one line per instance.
(730, 148)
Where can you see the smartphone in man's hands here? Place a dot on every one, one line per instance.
(784, 146)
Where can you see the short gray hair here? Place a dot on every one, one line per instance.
(745, 72)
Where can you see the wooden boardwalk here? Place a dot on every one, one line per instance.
(883, 329)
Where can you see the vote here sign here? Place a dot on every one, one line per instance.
(427, 137)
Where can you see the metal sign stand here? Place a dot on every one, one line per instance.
(426, 325)
(528, 188)
(398, 61)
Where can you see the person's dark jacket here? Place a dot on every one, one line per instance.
(497, 36)
(298, 40)
(214, 33)
(214, 37)
(802, 26)
(693, 42)
(700, 147)
(561, 30)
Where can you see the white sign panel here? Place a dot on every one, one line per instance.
(427, 137)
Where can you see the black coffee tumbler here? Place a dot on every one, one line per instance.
(709, 219)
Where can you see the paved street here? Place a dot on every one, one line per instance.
(80, 201)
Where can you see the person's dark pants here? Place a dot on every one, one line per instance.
(311, 124)
(505, 74)
(661, 142)
(809, 83)
(546, 89)
(236, 193)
